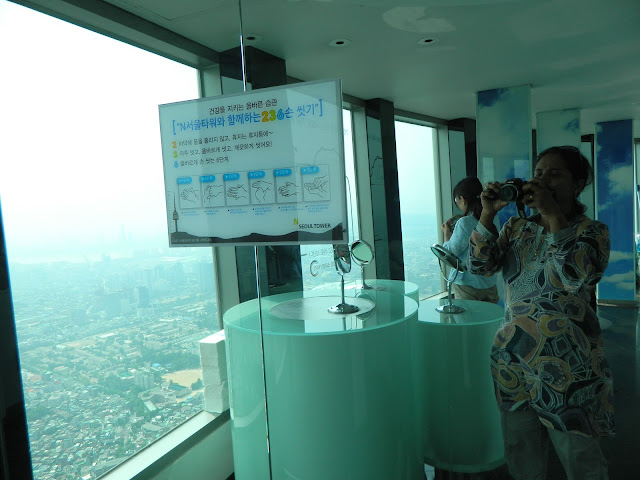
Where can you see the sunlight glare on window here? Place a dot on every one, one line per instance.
(416, 183)
(108, 318)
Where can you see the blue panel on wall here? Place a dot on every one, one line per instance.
(615, 192)
(588, 197)
(559, 127)
(562, 127)
(503, 131)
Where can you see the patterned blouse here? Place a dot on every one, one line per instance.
(548, 353)
(458, 244)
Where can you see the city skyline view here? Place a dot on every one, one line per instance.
(108, 317)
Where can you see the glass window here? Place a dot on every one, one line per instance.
(636, 162)
(108, 317)
(416, 183)
(317, 260)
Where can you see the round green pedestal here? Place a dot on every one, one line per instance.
(339, 390)
(460, 419)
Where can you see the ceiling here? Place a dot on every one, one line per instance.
(574, 53)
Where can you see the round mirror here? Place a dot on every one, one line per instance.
(361, 252)
(446, 256)
(342, 258)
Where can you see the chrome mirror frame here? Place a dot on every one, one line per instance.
(362, 254)
(446, 256)
(342, 260)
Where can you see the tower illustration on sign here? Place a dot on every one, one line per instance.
(175, 214)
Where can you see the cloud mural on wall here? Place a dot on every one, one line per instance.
(557, 127)
(504, 137)
(621, 281)
(488, 98)
(617, 188)
(617, 255)
(619, 180)
(624, 279)
(505, 124)
(572, 126)
(611, 142)
(615, 194)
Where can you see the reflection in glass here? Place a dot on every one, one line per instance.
(108, 318)
(417, 185)
(317, 260)
(362, 254)
(342, 259)
(444, 255)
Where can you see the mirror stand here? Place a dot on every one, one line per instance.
(362, 254)
(364, 284)
(343, 307)
(342, 260)
(450, 307)
(450, 259)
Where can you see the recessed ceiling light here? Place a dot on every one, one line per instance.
(427, 41)
(340, 42)
(252, 38)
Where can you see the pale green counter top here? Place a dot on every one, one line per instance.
(305, 313)
(354, 287)
(460, 420)
(475, 313)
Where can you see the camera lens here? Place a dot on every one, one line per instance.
(508, 193)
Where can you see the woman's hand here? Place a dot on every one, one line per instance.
(491, 204)
(446, 231)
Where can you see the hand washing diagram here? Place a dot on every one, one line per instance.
(263, 167)
(284, 185)
(317, 189)
(212, 195)
(262, 192)
(237, 190)
(189, 196)
(289, 192)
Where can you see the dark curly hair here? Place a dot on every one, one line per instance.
(470, 189)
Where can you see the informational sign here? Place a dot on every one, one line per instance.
(262, 167)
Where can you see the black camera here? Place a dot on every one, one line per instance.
(511, 190)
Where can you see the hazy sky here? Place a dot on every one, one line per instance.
(79, 124)
(414, 148)
(81, 160)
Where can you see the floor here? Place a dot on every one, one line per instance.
(621, 332)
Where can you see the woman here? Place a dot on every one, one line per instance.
(551, 378)
(466, 195)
